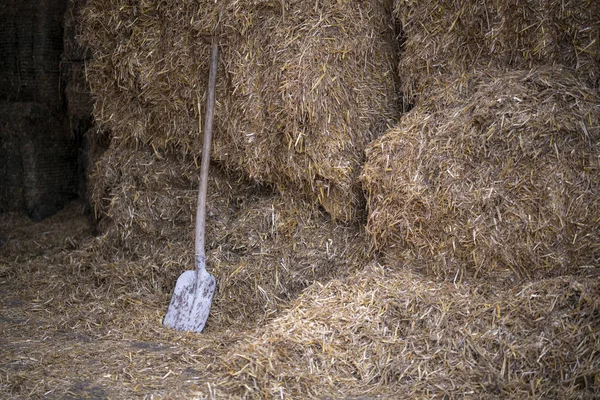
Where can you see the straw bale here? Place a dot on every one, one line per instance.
(491, 172)
(394, 334)
(302, 87)
(441, 37)
(262, 248)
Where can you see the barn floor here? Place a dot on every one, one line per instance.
(77, 324)
(61, 338)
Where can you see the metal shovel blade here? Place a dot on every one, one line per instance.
(191, 301)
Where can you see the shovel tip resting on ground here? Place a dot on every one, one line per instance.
(191, 301)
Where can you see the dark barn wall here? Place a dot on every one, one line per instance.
(31, 44)
(77, 92)
(38, 149)
(42, 166)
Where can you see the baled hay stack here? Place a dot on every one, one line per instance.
(263, 249)
(453, 36)
(490, 173)
(302, 86)
(396, 335)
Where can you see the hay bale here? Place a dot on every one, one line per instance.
(125, 186)
(263, 249)
(450, 37)
(394, 334)
(491, 172)
(302, 87)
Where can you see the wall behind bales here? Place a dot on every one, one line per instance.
(39, 153)
(38, 160)
(448, 37)
(491, 172)
(30, 50)
(302, 86)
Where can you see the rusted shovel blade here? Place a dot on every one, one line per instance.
(191, 300)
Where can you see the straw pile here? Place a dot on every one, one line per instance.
(491, 172)
(398, 335)
(302, 87)
(80, 322)
(262, 248)
(60, 232)
(450, 37)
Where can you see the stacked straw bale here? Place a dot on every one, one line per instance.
(302, 88)
(263, 249)
(491, 171)
(449, 37)
(393, 334)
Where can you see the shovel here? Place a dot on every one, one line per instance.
(194, 290)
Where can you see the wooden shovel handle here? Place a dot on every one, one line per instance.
(208, 122)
